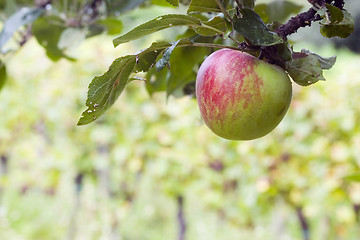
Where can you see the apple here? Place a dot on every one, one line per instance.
(240, 96)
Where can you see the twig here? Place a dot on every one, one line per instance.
(73, 224)
(4, 164)
(303, 222)
(181, 218)
(304, 19)
(356, 207)
(239, 4)
(89, 13)
(339, 4)
(43, 4)
(221, 6)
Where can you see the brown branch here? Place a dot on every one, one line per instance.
(306, 18)
(303, 222)
(43, 3)
(339, 4)
(302, 20)
(356, 207)
(181, 218)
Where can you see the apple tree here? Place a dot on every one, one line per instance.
(261, 30)
(171, 67)
(211, 25)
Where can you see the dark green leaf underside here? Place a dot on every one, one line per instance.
(305, 70)
(325, 62)
(250, 25)
(166, 57)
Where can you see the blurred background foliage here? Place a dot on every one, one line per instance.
(150, 165)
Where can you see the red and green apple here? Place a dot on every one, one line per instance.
(240, 96)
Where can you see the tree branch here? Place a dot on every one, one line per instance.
(339, 4)
(305, 19)
(302, 20)
(303, 222)
(356, 207)
(180, 217)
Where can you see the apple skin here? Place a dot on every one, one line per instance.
(241, 97)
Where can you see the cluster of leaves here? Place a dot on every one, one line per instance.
(57, 25)
(212, 25)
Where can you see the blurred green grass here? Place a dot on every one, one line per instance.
(144, 152)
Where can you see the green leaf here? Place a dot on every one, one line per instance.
(175, 3)
(8, 6)
(166, 57)
(162, 3)
(47, 31)
(336, 14)
(156, 81)
(145, 59)
(206, 6)
(277, 11)
(2, 75)
(353, 177)
(157, 24)
(123, 5)
(104, 90)
(325, 62)
(250, 25)
(247, 3)
(212, 27)
(22, 17)
(112, 25)
(71, 37)
(183, 63)
(305, 69)
(284, 51)
(341, 29)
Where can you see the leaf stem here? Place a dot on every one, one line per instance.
(212, 28)
(235, 40)
(211, 45)
(239, 4)
(221, 33)
(222, 8)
